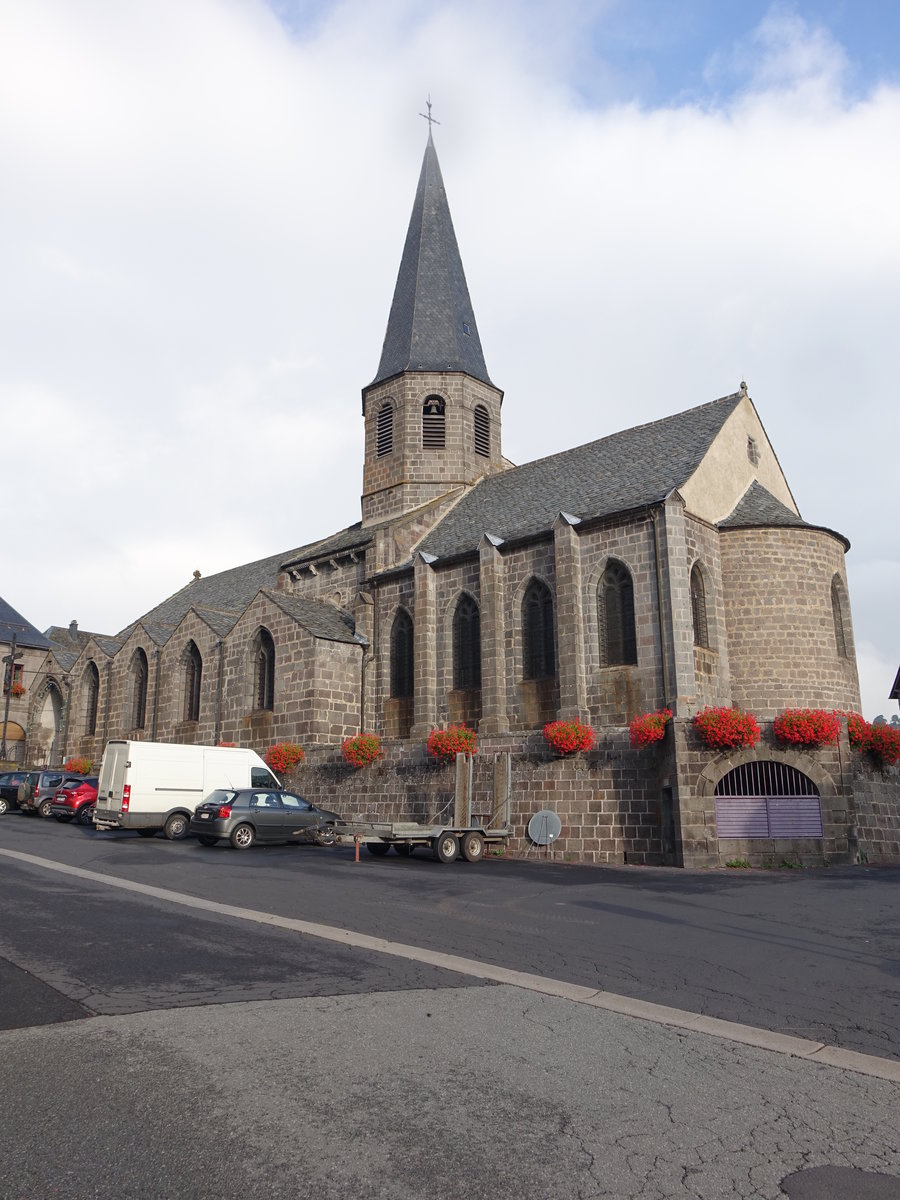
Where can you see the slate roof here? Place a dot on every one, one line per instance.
(624, 471)
(66, 658)
(319, 617)
(432, 324)
(347, 539)
(758, 506)
(12, 622)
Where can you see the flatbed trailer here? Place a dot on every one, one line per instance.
(446, 842)
(463, 836)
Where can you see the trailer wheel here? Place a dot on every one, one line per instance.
(379, 849)
(472, 847)
(205, 840)
(445, 847)
(176, 827)
(404, 849)
(243, 837)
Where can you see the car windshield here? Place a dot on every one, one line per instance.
(221, 796)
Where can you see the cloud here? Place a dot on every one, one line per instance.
(204, 220)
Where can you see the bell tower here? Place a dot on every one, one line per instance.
(432, 413)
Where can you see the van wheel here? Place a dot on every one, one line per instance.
(176, 827)
(243, 837)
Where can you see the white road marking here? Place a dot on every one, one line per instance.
(660, 1014)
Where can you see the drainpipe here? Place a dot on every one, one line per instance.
(654, 517)
(220, 646)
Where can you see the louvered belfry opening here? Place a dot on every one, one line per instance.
(434, 434)
(384, 434)
(767, 799)
(482, 424)
(466, 645)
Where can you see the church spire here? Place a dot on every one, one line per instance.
(432, 324)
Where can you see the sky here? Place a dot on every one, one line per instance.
(203, 209)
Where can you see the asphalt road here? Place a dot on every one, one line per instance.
(816, 954)
(154, 1051)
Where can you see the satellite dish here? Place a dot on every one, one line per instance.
(544, 827)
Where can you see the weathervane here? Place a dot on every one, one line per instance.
(429, 118)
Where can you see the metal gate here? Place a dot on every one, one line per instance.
(767, 800)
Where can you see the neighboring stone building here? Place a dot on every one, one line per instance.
(19, 676)
(666, 565)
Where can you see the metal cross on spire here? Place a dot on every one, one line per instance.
(428, 117)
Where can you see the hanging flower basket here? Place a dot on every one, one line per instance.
(282, 757)
(649, 727)
(79, 766)
(445, 744)
(881, 741)
(363, 749)
(726, 728)
(807, 727)
(568, 737)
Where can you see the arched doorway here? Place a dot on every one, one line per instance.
(46, 742)
(767, 799)
(14, 737)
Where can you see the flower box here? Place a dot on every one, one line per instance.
(881, 741)
(79, 766)
(16, 690)
(363, 749)
(569, 737)
(649, 727)
(282, 757)
(445, 744)
(807, 727)
(726, 728)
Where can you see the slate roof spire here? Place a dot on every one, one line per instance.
(432, 324)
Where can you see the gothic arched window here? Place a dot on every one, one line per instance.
(91, 692)
(698, 607)
(618, 643)
(838, 610)
(401, 655)
(538, 640)
(466, 645)
(139, 676)
(482, 431)
(264, 670)
(384, 433)
(193, 675)
(433, 423)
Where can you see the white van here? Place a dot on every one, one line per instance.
(157, 785)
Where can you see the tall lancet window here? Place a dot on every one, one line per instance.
(434, 434)
(466, 645)
(91, 688)
(139, 676)
(538, 633)
(402, 655)
(193, 676)
(264, 671)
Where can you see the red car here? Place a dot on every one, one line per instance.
(75, 800)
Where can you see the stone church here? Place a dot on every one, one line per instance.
(661, 566)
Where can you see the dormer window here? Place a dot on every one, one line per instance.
(433, 423)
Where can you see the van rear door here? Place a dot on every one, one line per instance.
(112, 778)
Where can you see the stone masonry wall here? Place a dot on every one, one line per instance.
(876, 792)
(781, 639)
(607, 801)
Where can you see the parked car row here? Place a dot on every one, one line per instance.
(46, 793)
(242, 816)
